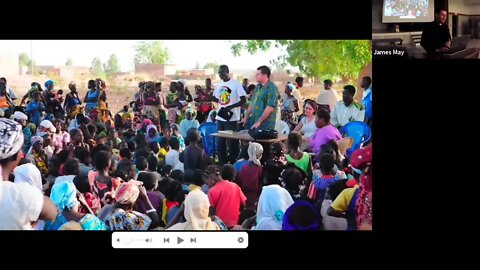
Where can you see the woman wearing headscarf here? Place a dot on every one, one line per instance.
(290, 106)
(196, 207)
(211, 116)
(362, 159)
(175, 132)
(102, 101)
(53, 105)
(91, 97)
(301, 216)
(274, 201)
(152, 134)
(22, 118)
(151, 101)
(37, 156)
(72, 103)
(35, 108)
(123, 217)
(250, 176)
(188, 123)
(28, 173)
(64, 195)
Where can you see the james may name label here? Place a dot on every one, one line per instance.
(389, 52)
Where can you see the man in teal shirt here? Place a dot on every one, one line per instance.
(264, 107)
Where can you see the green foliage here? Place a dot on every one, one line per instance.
(112, 66)
(97, 68)
(316, 58)
(69, 62)
(24, 59)
(150, 52)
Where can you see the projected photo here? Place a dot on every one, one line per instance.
(406, 8)
(398, 11)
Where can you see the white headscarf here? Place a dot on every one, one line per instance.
(11, 138)
(255, 151)
(173, 159)
(209, 119)
(48, 124)
(272, 204)
(197, 206)
(28, 173)
(19, 116)
(291, 86)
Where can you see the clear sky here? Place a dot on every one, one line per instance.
(184, 53)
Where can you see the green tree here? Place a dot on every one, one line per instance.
(97, 68)
(316, 58)
(212, 65)
(112, 65)
(150, 52)
(69, 62)
(24, 59)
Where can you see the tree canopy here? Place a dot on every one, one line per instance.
(316, 58)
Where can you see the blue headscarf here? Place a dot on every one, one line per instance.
(64, 195)
(48, 83)
(291, 87)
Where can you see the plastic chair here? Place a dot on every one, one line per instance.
(359, 131)
(282, 127)
(209, 142)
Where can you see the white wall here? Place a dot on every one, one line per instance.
(474, 10)
(457, 6)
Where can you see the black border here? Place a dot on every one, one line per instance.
(423, 113)
(256, 20)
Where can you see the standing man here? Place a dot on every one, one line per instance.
(328, 97)
(245, 84)
(436, 37)
(367, 99)
(230, 96)
(265, 102)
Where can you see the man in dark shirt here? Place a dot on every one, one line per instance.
(436, 37)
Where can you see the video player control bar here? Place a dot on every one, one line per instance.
(172, 239)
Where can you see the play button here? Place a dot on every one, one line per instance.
(179, 240)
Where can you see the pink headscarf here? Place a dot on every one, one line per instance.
(128, 192)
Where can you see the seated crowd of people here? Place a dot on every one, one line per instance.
(68, 163)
